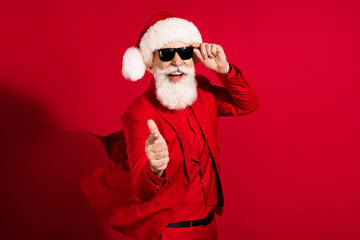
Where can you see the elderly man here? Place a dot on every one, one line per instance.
(173, 168)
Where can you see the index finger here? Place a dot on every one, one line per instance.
(198, 55)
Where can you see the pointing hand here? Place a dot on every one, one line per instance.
(156, 149)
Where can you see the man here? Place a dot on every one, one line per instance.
(170, 186)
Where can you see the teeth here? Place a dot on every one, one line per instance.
(176, 73)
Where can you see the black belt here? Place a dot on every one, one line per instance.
(205, 221)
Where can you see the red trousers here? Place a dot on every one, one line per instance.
(209, 232)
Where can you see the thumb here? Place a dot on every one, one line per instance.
(152, 126)
(154, 131)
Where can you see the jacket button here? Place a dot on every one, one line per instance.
(156, 203)
(203, 182)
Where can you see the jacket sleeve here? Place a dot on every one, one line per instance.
(144, 185)
(237, 97)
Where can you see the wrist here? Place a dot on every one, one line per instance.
(225, 69)
(158, 173)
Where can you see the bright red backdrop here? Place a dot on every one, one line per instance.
(290, 170)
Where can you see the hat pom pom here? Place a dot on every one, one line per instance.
(133, 64)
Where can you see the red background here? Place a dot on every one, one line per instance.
(290, 170)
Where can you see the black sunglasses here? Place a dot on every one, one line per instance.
(167, 54)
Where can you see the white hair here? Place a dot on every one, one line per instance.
(175, 95)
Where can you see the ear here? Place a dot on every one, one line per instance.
(150, 67)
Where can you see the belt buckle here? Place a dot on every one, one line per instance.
(206, 220)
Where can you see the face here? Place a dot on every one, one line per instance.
(175, 62)
(174, 80)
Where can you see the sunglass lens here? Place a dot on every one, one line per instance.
(166, 54)
(185, 52)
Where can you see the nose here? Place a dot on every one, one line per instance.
(176, 61)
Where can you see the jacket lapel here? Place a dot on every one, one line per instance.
(203, 119)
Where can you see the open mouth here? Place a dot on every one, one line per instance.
(176, 76)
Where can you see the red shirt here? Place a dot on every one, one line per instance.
(201, 195)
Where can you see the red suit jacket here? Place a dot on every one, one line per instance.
(123, 194)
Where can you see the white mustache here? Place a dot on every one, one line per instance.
(172, 69)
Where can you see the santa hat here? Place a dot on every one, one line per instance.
(162, 28)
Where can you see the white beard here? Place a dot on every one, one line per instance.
(175, 95)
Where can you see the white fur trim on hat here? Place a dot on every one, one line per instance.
(133, 64)
(166, 31)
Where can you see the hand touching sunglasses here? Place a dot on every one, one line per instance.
(211, 55)
(167, 54)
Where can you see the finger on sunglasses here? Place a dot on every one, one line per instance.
(203, 51)
(208, 51)
(214, 49)
(198, 55)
